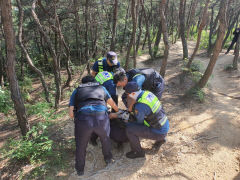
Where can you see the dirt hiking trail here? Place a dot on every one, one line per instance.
(204, 138)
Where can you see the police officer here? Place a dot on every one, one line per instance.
(105, 78)
(147, 79)
(106, 64)
(88, 107)
(235, 38)
(155, 126)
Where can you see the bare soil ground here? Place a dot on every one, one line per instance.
(204, 139)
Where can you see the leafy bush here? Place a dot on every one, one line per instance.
(228, 67)
(34, 148)
(196, 66)
(38, 108)
(5, 101)
(197, 94)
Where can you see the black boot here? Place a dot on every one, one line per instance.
(133, 154)
(80, 173)
(109, 161)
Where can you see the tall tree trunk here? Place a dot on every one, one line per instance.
(191, 16)
(56, 67)
(140, 32)
(67, 50)
(77, 28)
(6, 14)
(182, 29)
(147, 30)
(203, 23)
(86, 14)
(29, 60)
(1, 68)
(115, 12)
(218, 44)
(165, 38)
(124, 30)
(212, 31)
(132, 40)
(158, 39)
(236, 55)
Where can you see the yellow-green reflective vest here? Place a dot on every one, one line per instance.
(152, 101)
(100, 65)
(104, 76)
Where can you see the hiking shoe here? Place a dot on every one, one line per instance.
(109, 161)
(80, 173)
(133, 154)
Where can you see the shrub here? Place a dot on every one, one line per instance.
(197, 94)
(5, 101)
(228, 67)
(34, 148)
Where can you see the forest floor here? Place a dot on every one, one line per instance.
(203, 141)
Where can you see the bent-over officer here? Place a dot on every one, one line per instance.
(151, 120)
(88, 107)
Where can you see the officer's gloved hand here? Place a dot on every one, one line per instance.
(123, 114)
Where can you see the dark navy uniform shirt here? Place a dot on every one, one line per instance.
(91, 108)
(106, 67)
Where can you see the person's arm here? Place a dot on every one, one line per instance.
(72, 104)
(112, 104)
(93, 73)
(70, 112)
(130, 103)
(139, 80)
(109, 100)
(94, 69)
(141, 110)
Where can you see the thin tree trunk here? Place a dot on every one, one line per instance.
(182, 29)
(165, 38)
(218, 45)
(236, 55)
(158, 39)
(10, 66)
(191, 16)
(86, 14)
(147, 30)
(132, 40)
(115, 12)
(124, 30)
(203, 23)
(67, 54)
(56, 68)
(29, 60)
(140, 32)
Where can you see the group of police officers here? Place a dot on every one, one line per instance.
(144, 115)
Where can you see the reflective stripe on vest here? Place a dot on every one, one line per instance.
(100, 65)
(152, 101)
(136, 75)
(104, 76)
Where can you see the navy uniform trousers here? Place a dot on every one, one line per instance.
(85, 125)
(134, 131)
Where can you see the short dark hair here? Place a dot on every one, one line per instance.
(87, 79)
(118, 77)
